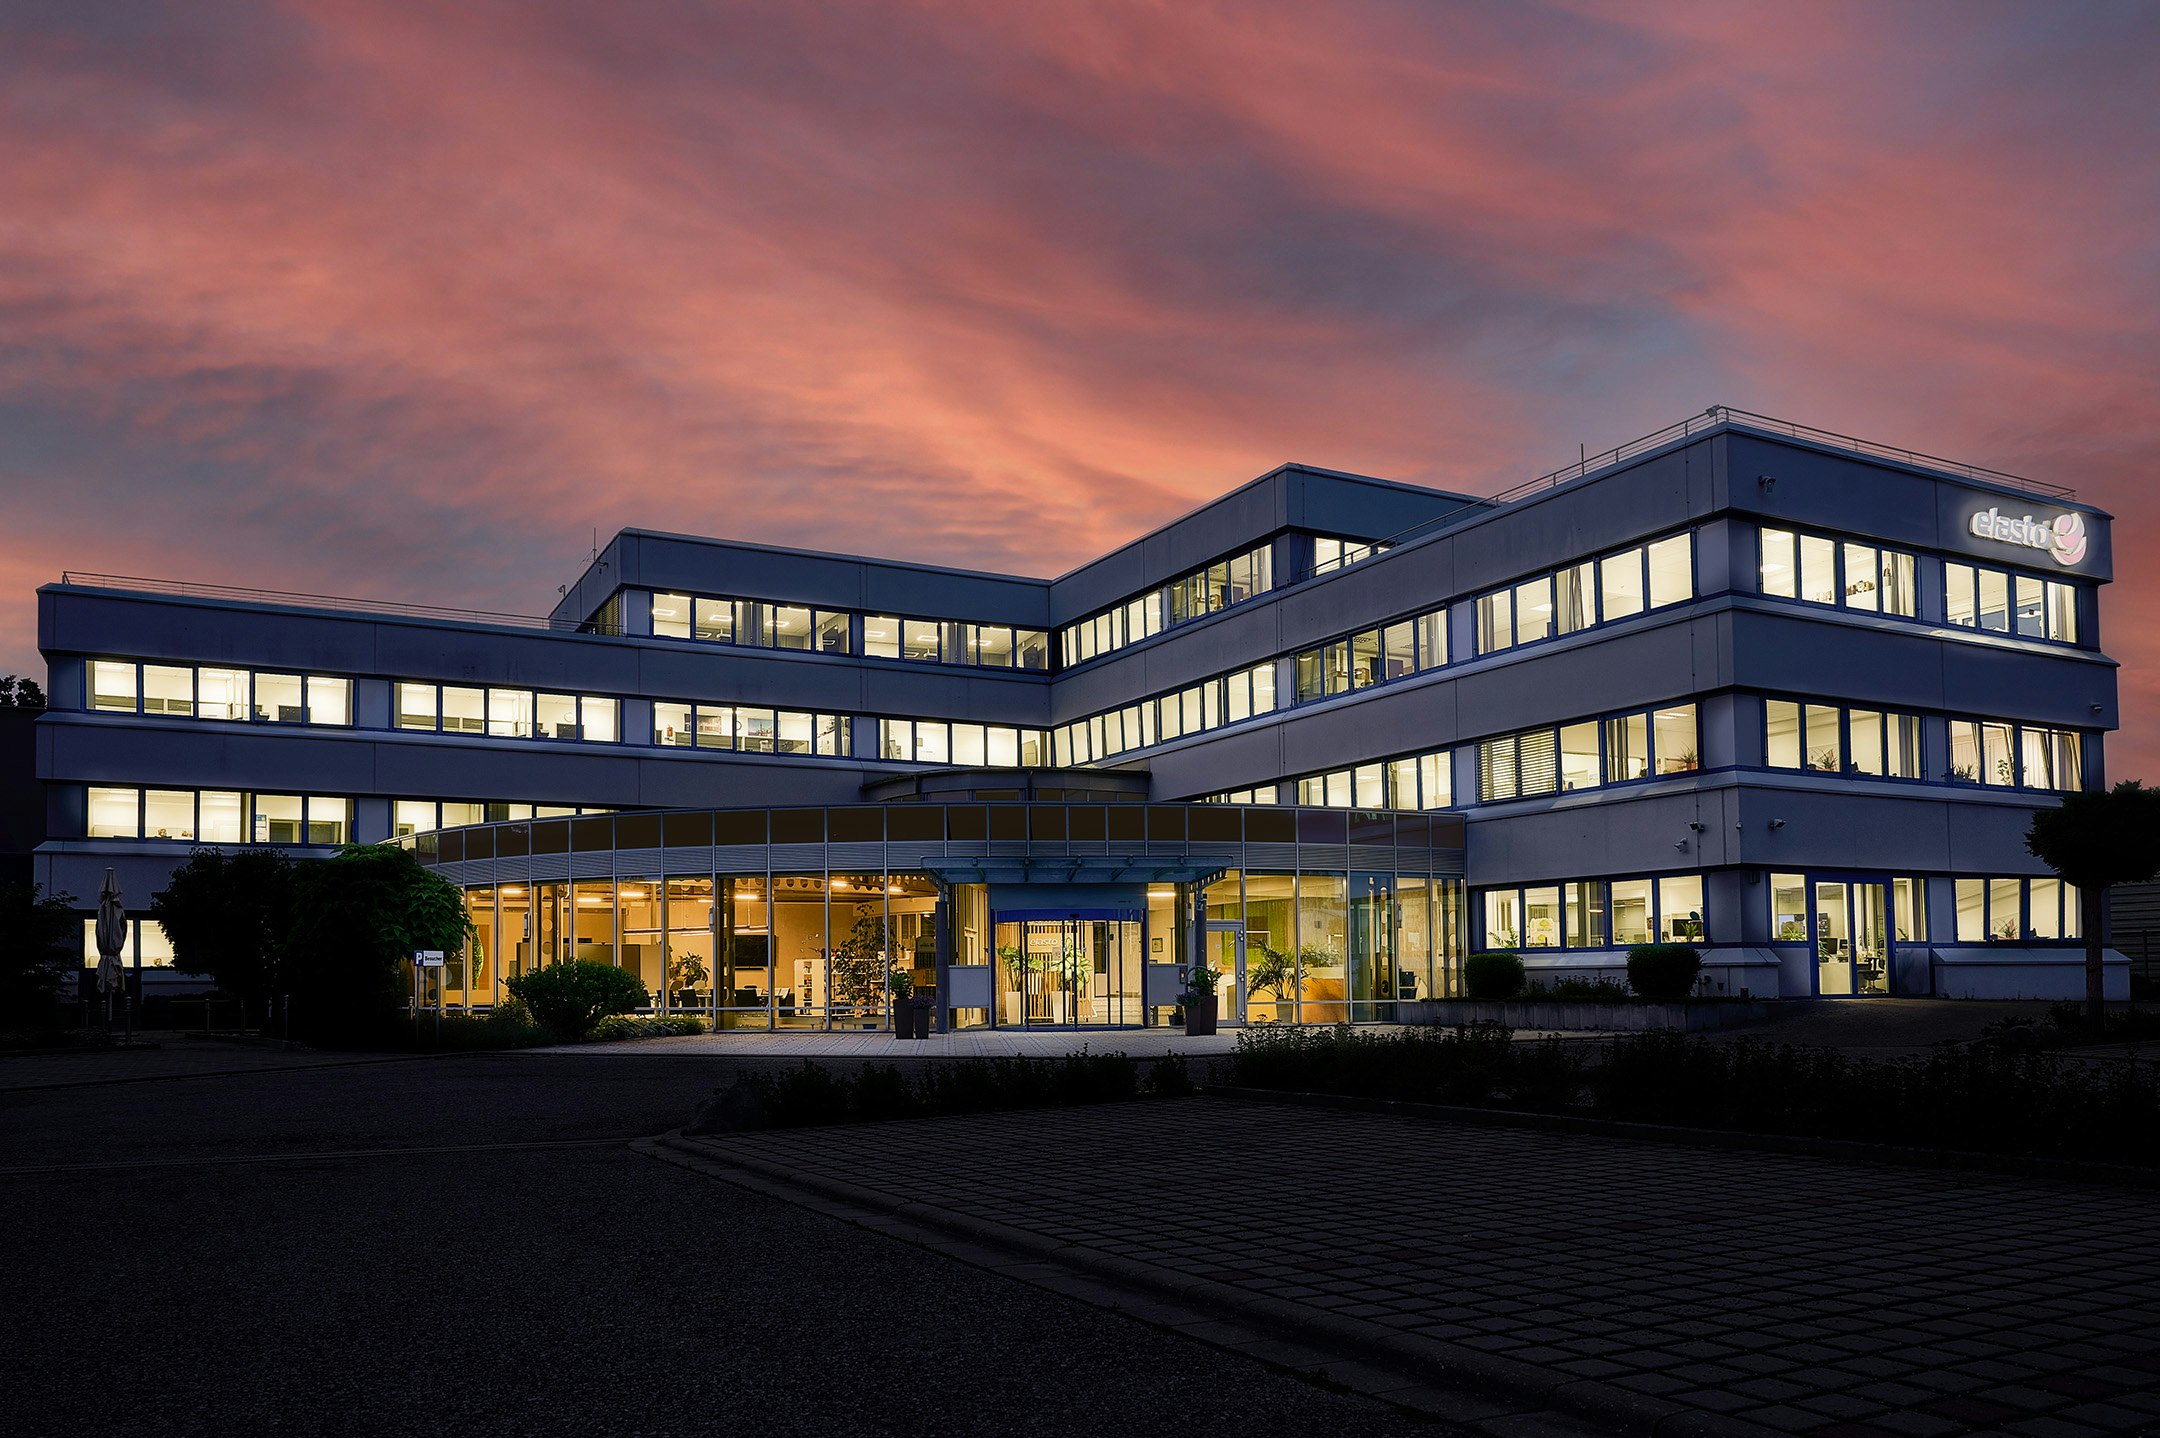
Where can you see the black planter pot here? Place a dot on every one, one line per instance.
(1200, 1016)
(921, 1008)
(903, 1019)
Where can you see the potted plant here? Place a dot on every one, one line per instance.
(1199, 1001)
(902, 986)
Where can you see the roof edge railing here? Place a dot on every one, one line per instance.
(338, 603)
(1709, 419)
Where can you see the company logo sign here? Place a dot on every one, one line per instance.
(2063, 536)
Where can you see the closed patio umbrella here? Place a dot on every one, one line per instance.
(112, 932)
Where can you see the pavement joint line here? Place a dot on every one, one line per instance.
(1792, 1145)
(305, 1156)
(1430, 1362)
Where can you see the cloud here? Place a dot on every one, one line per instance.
(373, 299)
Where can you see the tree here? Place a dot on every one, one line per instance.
(40, 946)
(2095, 841)
(227, 915)
(20, 693)
(861, 961)
(357, 917)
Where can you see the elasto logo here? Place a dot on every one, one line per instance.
(2069, 542)
(2062, 537)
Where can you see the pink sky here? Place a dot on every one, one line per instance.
(407, 301)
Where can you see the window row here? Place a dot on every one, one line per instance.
(1841, 572)
(2016, 756)
(217, 816)
(750, 623)
(2005, 911)
(202, 692)
(758, 624)
(750, 729)
(1841, 741)
(950, 641)
(1210, 704)
(1595, 591)
(1584, 755)
(1372, 657)
(1416, 781)
(937, 741)
(1331, 554)
(1190, 596)
(424, 816)
(1595, 914)
(2023, 604)
(507, 713)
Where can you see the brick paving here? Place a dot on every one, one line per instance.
(1785, 1293)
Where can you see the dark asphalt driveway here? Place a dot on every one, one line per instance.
(577, 1288)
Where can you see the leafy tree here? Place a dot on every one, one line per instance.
(39, 949)
(20, 693)
(861, 961)
(356, 918)
(227, 913)
(2095, 841)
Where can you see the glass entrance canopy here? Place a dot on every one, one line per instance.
(1015, 914)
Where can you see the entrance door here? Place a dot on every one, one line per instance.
(1852, 938)
(1067, 972)
(1225, 954)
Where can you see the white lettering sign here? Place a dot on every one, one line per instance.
(428, 958)
(2062, 537)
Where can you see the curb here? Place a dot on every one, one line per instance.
(2071, 1170)
(1433, 1361)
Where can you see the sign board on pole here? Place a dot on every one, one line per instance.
(427, 958)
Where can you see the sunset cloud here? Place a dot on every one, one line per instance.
(410, 300)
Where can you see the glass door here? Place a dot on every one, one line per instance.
(1833, 940)
(1852, 938)
(1225, 954)
(1871, 939)
(1068, 972)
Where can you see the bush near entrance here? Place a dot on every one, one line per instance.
(1663, 971)
(1493, 976)
(571, 998)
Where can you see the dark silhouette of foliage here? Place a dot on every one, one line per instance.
(228, 914)
(2095, 841)
(40, 949)
(357, 919)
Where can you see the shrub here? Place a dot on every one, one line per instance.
(1171, 1077)
(635, 1026)
(1599, 991)
(1497, 975)
(570, 998)
(1463, 1065)
(1663, 971)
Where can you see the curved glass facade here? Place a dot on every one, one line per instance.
(1006, 914)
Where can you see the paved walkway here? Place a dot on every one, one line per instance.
(968, 1043)
(1698, 1290)
(175, 1056)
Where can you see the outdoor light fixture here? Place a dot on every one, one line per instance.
(1777, 823)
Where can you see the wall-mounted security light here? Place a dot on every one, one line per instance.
(1767, 482)
(1697, 826)
(1777, 823)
